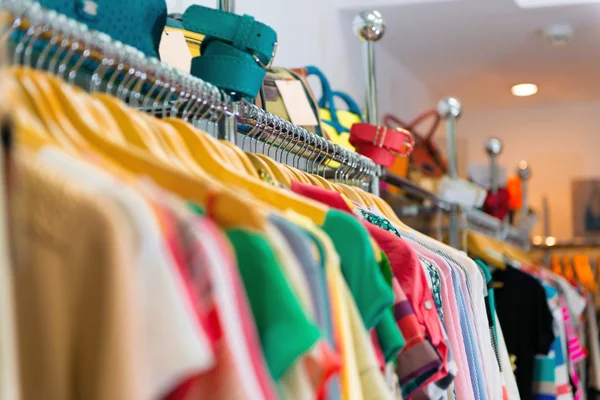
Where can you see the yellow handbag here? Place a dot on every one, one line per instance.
(336, 124)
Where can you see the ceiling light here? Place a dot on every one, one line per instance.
(550, 241)
(524, 89)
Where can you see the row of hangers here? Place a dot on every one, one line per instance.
(47, 110)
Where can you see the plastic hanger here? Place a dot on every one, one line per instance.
(227, 207)
(42, 109)
(277, 198)
(555, 265)
(278, 172)
(243, 157)
(132, 127)
(28, 128)
(480, 246)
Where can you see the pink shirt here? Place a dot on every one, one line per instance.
(462, 382)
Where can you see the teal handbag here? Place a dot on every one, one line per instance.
(138, 23)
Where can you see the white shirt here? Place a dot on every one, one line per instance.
(173, 346)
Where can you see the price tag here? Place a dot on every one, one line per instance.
(296, 103)
(174, 50)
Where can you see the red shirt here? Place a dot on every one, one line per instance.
(405, 267)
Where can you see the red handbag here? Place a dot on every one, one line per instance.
(379, 143)
(425, 157)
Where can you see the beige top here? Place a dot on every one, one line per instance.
(72, 291)
(9, 380)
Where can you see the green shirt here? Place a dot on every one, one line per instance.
(284, 330)
(373, 296)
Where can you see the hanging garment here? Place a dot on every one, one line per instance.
(593, 345)
(9, 364)
(88, 242)
(528, 332)
(168, 319)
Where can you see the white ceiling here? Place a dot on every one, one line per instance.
(477, 49)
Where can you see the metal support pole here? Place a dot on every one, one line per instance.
(450, 108)
(226, 5)
(493, 148)
(546, 226)
(227, 129)
(369, 27)
(371, 95)
(524, 174)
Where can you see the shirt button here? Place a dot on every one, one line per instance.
(428, 305)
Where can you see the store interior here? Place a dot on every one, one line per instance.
(298, 200)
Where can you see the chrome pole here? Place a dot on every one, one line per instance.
(450, 109)
(524, 174)
(493, 147)
(227, 129)
(226, 5)
(369, 27)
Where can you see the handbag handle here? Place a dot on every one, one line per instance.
(391, 121)
(327, 100)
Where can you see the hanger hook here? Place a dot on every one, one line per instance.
(328, 158)
(130, 76)
(27, 53)
(181, 92)
(253, 130)
(279, 129)
(21, 46)
(153, 68)
(86, 38)
(19, 15)
(295, 139)
(137, 85)
(53, 40)
(197, 104)
(118, 49)
(103, 45)
(71, 40)
(337, 171)
(261, 125)
(300, 152)
(289, 141)
(191, 103)
(319, 148)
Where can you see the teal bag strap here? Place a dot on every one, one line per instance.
(236, 52)
(327, 100)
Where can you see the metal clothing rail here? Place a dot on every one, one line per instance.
(550, 243)
(45, 39)
(280, 133)
(474, 219)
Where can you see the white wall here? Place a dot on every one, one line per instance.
(560, 142)
(314, 32)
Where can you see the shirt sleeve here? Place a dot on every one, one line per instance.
(544, 330)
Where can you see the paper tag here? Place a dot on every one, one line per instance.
(296, 103)
(174, 51)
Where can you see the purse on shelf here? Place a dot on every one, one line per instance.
(138, 23)
(336, 123)
(426, 158)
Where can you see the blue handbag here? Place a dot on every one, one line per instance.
(138, 23)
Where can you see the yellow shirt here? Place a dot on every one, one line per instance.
(361, 377)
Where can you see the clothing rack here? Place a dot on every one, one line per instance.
(154, 87)
(474, 219)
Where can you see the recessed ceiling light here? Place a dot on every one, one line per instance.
(524, 89)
